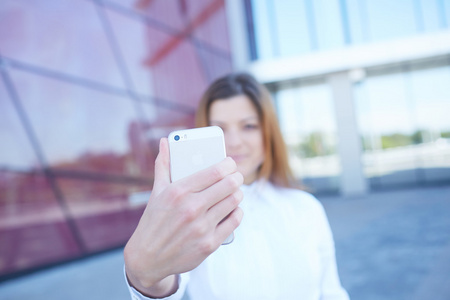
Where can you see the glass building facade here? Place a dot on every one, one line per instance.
(361, 87)
(295, 27)
(402, 117)
(87, 89)
(311, 138)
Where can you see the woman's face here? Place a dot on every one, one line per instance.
(239, 120)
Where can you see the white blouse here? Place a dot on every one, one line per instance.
(283, 249)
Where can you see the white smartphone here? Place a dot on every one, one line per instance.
(192, 150)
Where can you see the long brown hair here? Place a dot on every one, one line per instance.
(275, 166)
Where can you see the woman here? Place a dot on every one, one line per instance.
(283, 248)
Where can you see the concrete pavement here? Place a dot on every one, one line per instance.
(393, 245)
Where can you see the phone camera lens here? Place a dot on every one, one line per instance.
(177, 138)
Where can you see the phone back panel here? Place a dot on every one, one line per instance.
(195, 150)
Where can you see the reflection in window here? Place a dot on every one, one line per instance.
(99, 208)
(308, 125)
(130, 34)
(385, 122)
(97, 99)
(68, 48)
(26, 198)
(77, 128)
(404, 125)
(16, 150)
(431, 97)
(30, 220)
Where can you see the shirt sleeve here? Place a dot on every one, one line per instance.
(182, 283)
(330, 284)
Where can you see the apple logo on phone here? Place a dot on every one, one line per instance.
(197, 159)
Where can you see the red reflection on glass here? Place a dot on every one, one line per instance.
(179, 67)
(88, 137)
(130, 34)
(172, 73)
(36, 245)
(25, 198)
(207, 33)
(206, 13)
(25, 26)
(102, 210)
(81, 129)
(33, 229)
(170, 14)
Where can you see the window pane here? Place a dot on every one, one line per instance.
(387, 128)
(328, 24)
(73, 47)
(30, 221)
(153, 49)
(216, 21)
(430, 13)
(78, 128)
(103, 214)
(447, 13)
(403, 118)
(358, 23)
(431, 96)
(308, 124)
(16, 150)
(170, 81)
(132, 37)
(390, 19)
(291, 26)
(263, 24)
(164, 14)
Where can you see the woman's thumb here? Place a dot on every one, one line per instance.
(162, 167)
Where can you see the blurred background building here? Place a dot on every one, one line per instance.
(361, 86)
(87, 88)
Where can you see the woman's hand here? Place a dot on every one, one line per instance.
(183, 223)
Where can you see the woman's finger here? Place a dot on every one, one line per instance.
(162, 167)
(222, 189)
(229, 224)
(205, 178)
(223, 208)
